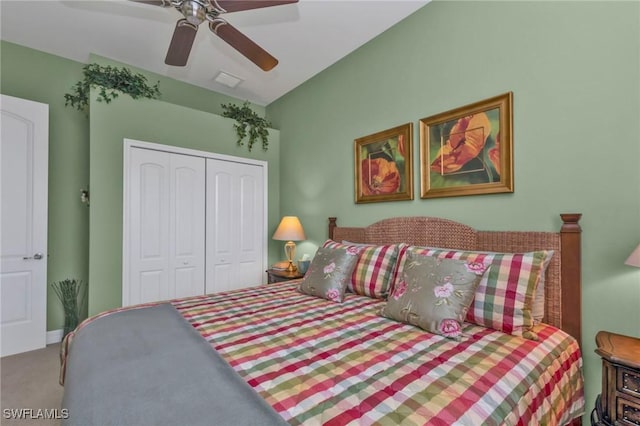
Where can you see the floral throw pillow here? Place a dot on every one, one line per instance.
(329, 273)
(434, 294)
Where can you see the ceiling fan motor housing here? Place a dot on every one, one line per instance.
(194, 11)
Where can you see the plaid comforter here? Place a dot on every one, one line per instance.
(319, 362)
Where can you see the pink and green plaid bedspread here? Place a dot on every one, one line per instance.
(319, 362)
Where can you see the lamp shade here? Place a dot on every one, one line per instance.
(634, 258)
(290, 229)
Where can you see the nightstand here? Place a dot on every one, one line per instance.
(276, 275)
(619, 403)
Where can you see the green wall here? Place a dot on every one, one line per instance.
(159, 122)
(574, 69)
(38, 76)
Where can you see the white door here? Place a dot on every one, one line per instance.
(164, 226)
(23, 277)
(235, 225)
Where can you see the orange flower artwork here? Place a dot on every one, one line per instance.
(466, 140)
(494, 154)
(468, 150)
(379, 176)
(401, 148)
(383, 170)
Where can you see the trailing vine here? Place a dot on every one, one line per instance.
(248, 123)
(111, 81)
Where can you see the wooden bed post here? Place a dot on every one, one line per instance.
(332, 226)
(570, 238)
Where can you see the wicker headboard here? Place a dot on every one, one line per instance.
(563, 279)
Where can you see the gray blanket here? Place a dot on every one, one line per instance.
(149, 366)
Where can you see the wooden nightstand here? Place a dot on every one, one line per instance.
(275, 275)
(619, 403)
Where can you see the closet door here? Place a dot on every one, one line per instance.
(235, 225)
(187, 225)
(166, 202)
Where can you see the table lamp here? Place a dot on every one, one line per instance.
(290, 230)
(634, 258)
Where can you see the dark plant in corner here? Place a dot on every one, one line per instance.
(248, 123)
(111, 81)
(72, 294)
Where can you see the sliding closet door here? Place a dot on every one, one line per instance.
(235, 225)
(165, 226)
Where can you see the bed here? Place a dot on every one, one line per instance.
(282, 354)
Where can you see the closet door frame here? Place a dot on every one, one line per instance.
(130, 144)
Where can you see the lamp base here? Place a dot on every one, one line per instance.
(290, 251)
(291, 267)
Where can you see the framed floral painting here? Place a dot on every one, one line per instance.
(468, 150)
(383, 165)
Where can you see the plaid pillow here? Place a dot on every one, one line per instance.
(538, 308)
(374, 271)
(504, 298)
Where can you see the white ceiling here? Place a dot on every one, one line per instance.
(306, 37)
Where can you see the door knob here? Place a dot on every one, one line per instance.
(36, 256)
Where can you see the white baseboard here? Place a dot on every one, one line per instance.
(54, 336)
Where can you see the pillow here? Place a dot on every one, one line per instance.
(539, 300)
(434, 294)
(374, 271)
(504, 297)
(351, 243)
(329, 273)
(538, 307)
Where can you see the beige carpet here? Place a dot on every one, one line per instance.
(30, 381)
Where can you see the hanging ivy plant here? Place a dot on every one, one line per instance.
(111, 81)
(248, 123)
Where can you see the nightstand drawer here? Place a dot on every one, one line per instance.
(277, 279)
(276, 275)
(627, 412)
(619, 403)
(629, 381)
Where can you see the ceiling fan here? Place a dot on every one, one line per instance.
(196, 12)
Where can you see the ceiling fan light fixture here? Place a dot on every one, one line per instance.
(194, 12)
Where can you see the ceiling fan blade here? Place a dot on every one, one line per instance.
(243, 44)
(181, 43)
(238, 5)
(161, 3)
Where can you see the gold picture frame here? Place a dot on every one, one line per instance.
(384, 165)
(468, 150)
